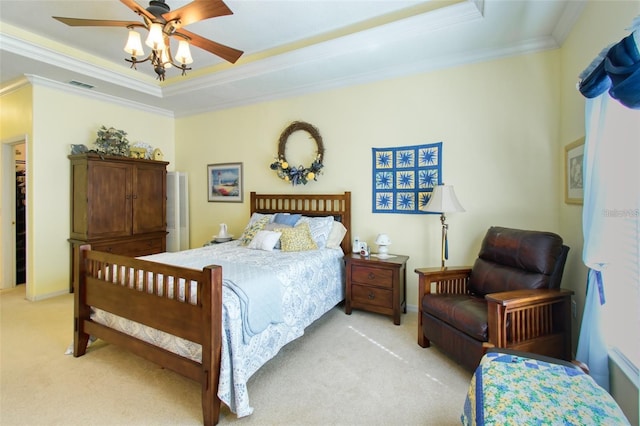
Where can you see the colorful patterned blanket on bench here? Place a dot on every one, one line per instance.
(514, 390)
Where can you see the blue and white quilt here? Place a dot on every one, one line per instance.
(296, 287)
(404, 177)
(515, 390)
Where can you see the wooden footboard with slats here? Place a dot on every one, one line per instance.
(143, 292)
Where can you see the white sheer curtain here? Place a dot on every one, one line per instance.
(611, 228)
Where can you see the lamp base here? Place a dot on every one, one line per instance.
(384, 255)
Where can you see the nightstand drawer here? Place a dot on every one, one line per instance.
(372, 296)
(372, 276)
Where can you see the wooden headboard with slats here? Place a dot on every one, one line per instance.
(336, 205)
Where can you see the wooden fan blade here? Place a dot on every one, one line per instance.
(198, 10)
(78, 22)
(138, 9)
(225, 52)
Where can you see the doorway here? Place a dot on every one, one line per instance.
(20, 160)
(14, 213)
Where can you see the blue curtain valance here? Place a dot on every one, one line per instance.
(617, 69)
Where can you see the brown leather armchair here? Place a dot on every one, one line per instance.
(511, 298)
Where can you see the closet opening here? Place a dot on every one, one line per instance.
(14, 213)
(21, 214)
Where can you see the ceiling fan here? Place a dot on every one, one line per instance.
(163, 24)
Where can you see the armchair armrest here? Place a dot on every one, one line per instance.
(524, 319)
(448, 279)
(522, 298)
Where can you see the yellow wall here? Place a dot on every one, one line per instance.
(16, 122)
(498, 122)
(61, 118)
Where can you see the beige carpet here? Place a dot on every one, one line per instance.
(347, 370)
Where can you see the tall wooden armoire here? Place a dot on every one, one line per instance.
(118, 205)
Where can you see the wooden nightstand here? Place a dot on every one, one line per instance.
(377, 285)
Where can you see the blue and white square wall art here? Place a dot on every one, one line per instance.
(403, 177)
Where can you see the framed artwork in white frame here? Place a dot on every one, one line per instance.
(573, 172)
(224, 182)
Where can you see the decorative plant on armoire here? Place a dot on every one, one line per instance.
(112, 141)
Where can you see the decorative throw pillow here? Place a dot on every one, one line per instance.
(272, 227)
(252, 229)
(338, 231)
(257, 216)
(265, 240)
(287, 219)
(297, 239)
(320, 228)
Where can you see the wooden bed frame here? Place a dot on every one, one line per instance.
(106, 281)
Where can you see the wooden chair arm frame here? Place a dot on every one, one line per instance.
(448, 279)
(529, 314)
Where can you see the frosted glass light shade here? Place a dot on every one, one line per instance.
(155, 40)
(164, 56)
(183, 56)
(134, 44)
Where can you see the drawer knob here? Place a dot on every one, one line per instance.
(372, 276)
(371, 295)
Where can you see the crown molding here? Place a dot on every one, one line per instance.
(31, 50)
(390, 72)
(64, 87)
(396, 31)
(570, 16)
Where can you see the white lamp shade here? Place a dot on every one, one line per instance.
(134, 44)
(155, 40)
(383, 240)
(443, 200)
(183, 56)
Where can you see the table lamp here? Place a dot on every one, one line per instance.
(383, 241)
(443, 200)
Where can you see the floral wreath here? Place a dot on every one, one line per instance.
(300, 174)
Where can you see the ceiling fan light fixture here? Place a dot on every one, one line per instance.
(134, 44)
(155, 40)
(165, 58)
(183, 55)
(163, 24)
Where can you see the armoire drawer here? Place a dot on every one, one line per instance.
(131, 248)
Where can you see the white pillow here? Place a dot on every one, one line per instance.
(320, 228)
(265, 240)
(338, 231)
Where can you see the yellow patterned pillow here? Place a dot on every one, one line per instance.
(297, 239)
(252, 229)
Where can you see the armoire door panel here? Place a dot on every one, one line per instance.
(109, 200)
(149, 199)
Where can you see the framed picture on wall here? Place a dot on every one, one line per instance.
(224, 182)
(573, 172)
